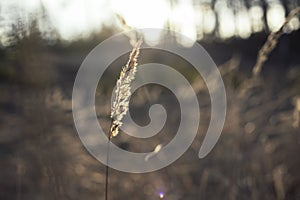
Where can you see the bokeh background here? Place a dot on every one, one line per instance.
(43, 43)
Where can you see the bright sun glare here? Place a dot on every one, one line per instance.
(157, 14)
(80, 17)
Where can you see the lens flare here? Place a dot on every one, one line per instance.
(161, 195)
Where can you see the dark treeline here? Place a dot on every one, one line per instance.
(37, 31)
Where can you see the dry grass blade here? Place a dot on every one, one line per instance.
(122, 91)
(121, 95)
(271, 43)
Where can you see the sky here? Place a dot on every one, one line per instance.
(71, 17)
(75, 18)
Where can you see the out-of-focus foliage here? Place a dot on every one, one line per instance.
(41, 156)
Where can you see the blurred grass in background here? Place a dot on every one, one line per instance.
(41, 156)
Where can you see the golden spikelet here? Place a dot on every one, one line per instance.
(122, 91)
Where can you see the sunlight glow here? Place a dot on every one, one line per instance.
(31, 4)
(256, 14)
(205, 20)
(209, 21)
(275, 16)
(183, 18)
(243, 25)
(157, 14)
(199, 20)
(77, 17)
(227, 25)
(194, 20)
(142, 13)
